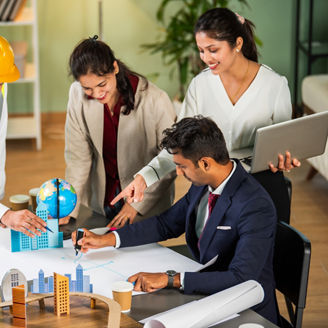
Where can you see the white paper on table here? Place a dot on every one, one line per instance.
(104, 266)
(210, 309)
(181, 306)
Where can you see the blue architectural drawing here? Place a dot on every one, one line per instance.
(81, 284)
(48, 239)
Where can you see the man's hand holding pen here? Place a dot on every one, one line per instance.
(143, 281)
(91, 240)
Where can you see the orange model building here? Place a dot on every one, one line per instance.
(19, 306)
(61, 294)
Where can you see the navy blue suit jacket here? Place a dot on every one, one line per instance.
(244, 252)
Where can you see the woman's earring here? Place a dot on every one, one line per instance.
(237, 50)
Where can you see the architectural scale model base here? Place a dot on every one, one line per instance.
(114, 313)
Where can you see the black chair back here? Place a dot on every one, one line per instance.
(291, 266)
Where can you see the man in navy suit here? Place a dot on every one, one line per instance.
(226, 215)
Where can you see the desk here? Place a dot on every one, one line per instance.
(144, 306)
(81, 316)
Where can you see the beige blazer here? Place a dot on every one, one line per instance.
(139, 136)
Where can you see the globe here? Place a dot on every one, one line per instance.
(66, 197)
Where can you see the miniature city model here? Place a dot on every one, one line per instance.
(81, 284)
(20, 242)
(61, 301)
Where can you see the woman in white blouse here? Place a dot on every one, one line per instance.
(238, 93)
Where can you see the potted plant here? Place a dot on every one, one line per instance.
(178, 45)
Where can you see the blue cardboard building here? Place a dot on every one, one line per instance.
(41, 281)
(48, 239)
(79, 278)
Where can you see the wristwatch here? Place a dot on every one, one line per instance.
(170, 275)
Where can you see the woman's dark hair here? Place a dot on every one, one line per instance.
(224, 25)
(196, 137)
(94, 56)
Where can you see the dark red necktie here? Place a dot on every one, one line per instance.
(212, 198)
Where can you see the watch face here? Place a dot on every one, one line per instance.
(171, 272)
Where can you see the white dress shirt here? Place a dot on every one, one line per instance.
(203, 209)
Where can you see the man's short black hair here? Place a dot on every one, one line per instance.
(196, 137)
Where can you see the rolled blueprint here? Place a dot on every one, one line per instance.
(210, 309)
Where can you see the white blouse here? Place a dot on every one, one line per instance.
(265, 102)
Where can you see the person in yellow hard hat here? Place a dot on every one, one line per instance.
(24, 220)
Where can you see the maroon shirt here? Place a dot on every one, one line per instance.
(110, 145)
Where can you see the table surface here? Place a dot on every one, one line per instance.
(143, 306)
(81, 315)
(146, 305)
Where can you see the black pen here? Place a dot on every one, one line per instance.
(79, 235)
(49, 229)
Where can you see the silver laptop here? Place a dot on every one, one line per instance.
(303, 137)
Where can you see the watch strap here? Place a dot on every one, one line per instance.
(170, 276)
(170, 281)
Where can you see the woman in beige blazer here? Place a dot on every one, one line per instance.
(114, 125)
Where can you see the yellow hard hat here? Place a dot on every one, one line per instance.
(8, 70)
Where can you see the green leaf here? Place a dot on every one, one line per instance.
(161, 9)
(258, 41)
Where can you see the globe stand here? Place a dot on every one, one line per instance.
(57, 185)
(59, 196)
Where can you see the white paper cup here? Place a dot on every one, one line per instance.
(122, 294)
(33, 193)
(19, 202)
